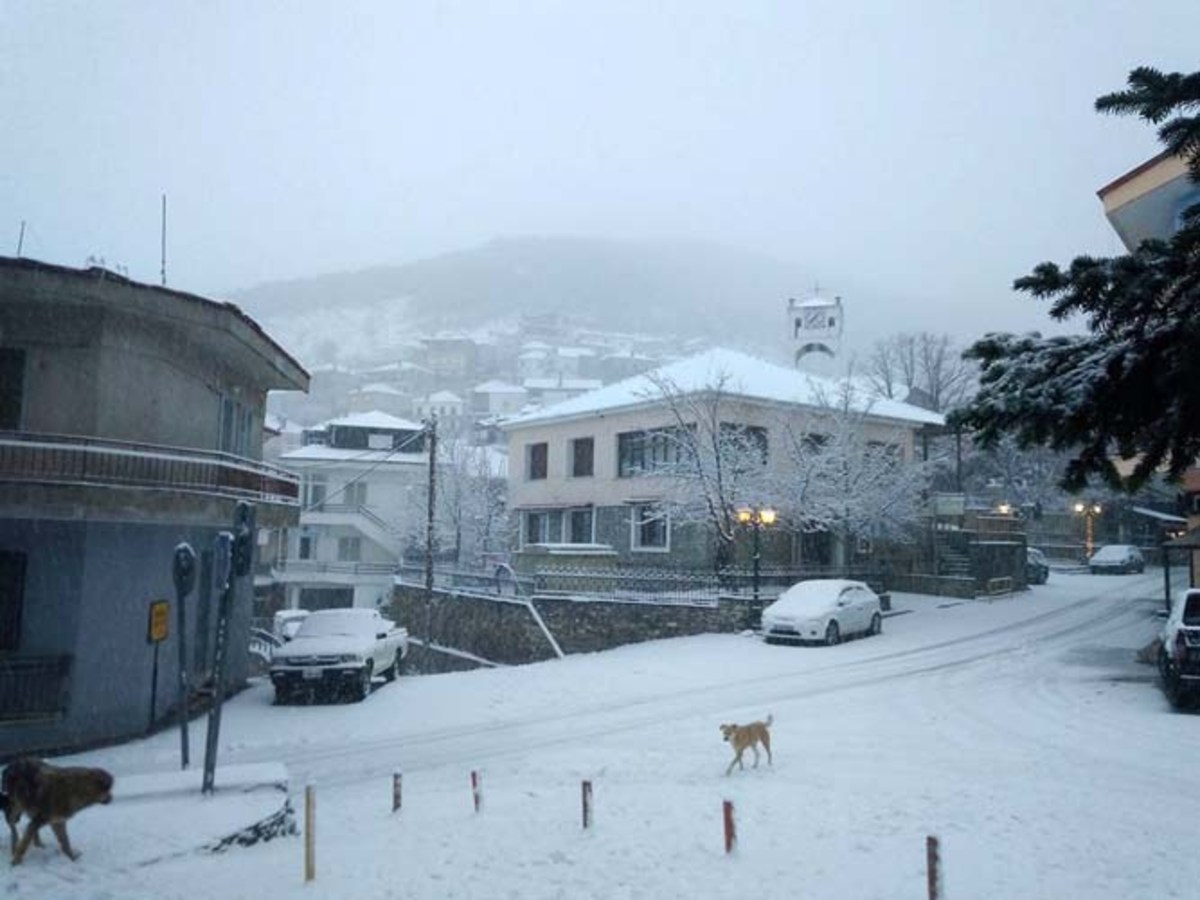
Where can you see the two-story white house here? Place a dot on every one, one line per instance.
(588, 470)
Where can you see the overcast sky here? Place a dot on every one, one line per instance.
(932, 151)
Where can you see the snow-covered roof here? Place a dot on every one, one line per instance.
(444, 397)
(562, 384)
(575, 352)
(534, 354)
(498, 387)
(1161, 516)
(378, 387)
(374, 419)
(744, 376)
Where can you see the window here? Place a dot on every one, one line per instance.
(308, 546)
(12, 387)
(647, 452)
(314, 492)
(579, 524)
(349, 549)
(537, 528)
(355, 494)
(651, 528)
(12, 596)
(536, 460)
(583, 453)
(746, 442)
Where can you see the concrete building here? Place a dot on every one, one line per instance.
(497, 398)
(131, 420)
(363, 487)
(583, 472)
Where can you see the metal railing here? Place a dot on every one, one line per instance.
(315, 567)
(34, 687)
(498, 579)
(85, 461)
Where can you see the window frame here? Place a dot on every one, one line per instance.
(575, 445)
(569, 525)
(13, 363)
(641, 515)
(532, 452)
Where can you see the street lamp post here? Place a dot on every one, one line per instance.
(756, 518)
(1089, 511)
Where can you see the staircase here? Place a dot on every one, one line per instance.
(952, 559)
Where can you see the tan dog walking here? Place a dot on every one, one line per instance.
(749, 736)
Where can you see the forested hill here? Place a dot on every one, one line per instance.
(678, 288)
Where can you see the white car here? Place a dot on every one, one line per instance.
(1120, 558)
(338, 651)
(1179, 654)
(823, 610)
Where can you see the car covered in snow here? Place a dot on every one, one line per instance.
(823, 610)
(1117, 559)
(338, 652)
(1179, 650)
(1037, 568)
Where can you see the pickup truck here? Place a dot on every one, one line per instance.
(338, 652)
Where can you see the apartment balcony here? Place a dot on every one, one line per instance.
(313, 572)
(45, 471)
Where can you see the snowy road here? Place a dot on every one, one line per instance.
(1020, 730)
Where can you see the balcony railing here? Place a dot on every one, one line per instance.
(305, 567)
(70, 460)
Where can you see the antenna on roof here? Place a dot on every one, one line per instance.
(164, 240)
(21, 239)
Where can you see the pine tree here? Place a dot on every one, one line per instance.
(1131, 387)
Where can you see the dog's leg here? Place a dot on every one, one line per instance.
(60, 832)
(737, 760)
(767, 745)
(23, 845)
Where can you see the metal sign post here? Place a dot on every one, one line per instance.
(233, 556)
(157, 629)
(183, 570)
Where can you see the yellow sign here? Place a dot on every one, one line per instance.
(160, 621)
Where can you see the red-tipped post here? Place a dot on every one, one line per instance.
(586, 794)
(476, 790)
(396, 782)
(730, 829)
(933, 867)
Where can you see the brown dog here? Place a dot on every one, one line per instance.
(743, 736)
(50, 795)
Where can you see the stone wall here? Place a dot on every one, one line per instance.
(937, 585)
(505, 631)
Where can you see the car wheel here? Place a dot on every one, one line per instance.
(362, 689)
(390, 673)
(833, 634)
(876, 625)
(282, 697)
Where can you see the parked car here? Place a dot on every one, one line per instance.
(823, 610)
(1117, 558)
(1179, 653)
(338, 652)
(1037, 569)
(287, 622)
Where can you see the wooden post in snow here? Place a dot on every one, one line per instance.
(310, 824)
(730, 829)
(476, 790)
(933, 867)
(396, 790)
(587, 805)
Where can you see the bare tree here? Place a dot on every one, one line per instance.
(714, 464)
(926, 363)
(472, 495)
(847, 477)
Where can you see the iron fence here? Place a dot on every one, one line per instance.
(498, 579)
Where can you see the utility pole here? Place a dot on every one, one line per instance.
(431, 434)
(21, 239)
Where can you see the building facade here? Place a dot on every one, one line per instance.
(131, 420)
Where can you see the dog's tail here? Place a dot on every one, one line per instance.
(770, 719)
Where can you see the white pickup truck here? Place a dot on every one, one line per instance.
(338, 651)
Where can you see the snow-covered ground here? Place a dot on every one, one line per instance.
(1021, 731)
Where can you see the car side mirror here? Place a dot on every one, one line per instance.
(381, 636)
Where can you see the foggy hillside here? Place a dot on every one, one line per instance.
(678, 288)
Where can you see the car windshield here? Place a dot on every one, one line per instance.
(322, 626)
(810, 596)
(1191, 610)
(1112, 552)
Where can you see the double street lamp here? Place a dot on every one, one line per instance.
(756, 518)
(1089, 511)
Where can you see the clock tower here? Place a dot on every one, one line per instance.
(816, 328)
